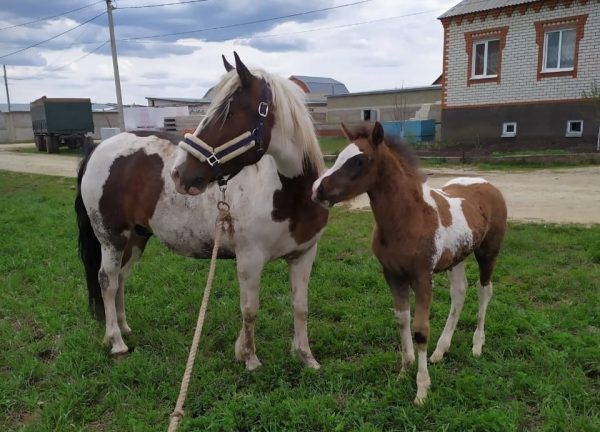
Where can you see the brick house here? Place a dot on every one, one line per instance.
(514, 71)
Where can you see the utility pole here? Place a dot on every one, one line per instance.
(113, 46)
(6, 85)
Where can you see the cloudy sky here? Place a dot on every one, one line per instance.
(367, 45)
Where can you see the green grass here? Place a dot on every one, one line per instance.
(332, 145)
(63, 151)
(539, 369)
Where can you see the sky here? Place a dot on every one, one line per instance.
(367, 45)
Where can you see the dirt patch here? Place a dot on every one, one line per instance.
(569, 195)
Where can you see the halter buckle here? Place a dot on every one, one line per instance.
(212, 160)
(263, 109)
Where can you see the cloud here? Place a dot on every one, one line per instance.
(385, 52)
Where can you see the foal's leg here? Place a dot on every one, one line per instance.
(249, 268)
(299, 273)
(423, 294)
(400, 289)
(487, 262)
(108, 277)
(132, 253)
(458, 289)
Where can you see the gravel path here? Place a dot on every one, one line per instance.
(570, 195)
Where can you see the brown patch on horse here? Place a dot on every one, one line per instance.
(131, 191)
(293, 202)
(443, 208)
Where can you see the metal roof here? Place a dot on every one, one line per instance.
(397, 90)
(469, 6)
(322, 85)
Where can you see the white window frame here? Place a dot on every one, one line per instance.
(571, 132)
(374, 112)
(558, 68)
(485, 58)
(506, 133)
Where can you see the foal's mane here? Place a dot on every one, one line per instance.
(291, 115)
(399, 149)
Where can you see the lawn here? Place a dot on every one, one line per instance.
(539, 370)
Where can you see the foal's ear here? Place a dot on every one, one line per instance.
(346, 132)
(377, 134)
(243, 72)
(227, 65)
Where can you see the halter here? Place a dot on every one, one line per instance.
(216, 156)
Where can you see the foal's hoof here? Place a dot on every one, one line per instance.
(477, 350)
(437, 356)
(419, 401)
(119, 356)
(306, 358)
(253, 363)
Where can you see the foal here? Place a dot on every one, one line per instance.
(420, 231)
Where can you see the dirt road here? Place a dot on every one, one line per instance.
(570, 195)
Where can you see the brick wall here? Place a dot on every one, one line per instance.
(519, 81)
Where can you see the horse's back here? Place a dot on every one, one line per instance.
(483, 205)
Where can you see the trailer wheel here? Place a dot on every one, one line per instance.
(40, 143)
(52, 144)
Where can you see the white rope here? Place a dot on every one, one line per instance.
(178, 413)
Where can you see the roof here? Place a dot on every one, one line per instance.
(470, 6)
(179, 100)
(396, 90)
(322, 85)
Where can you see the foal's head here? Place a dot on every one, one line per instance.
(355, 169)
(236, 132)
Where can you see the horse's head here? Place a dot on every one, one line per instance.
(354, 170)
(235, 133)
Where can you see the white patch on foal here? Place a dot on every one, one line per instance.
(350, 151)
(465, 181)
(452, 237)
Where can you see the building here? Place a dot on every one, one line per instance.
(416, 103)
(514, 71)
(317, 90)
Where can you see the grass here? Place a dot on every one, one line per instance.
(63, 151)
(539, 370)
(332, 145)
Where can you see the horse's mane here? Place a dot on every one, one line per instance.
(291, 115)
(400, 149)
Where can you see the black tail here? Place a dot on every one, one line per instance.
(89, 246)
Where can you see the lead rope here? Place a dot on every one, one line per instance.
(223, 219)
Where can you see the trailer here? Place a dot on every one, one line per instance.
(61, 121)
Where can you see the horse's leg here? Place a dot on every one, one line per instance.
(423, 294)
(108, 277)
(400, 289)
(487, 262)
(133, 251)
(249, 269)
(458, 289)
(299, 273)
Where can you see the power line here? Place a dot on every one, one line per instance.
(244, 23)
(53, 37)
(163, 4)
(50, 17)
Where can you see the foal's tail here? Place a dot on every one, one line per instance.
(89, 246)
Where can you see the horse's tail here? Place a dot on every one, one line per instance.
(89, 246)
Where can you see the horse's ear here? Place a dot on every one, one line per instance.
(227, 65)
(377, 134)
(346, 132)
(243, 72)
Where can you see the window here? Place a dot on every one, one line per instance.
(369, 115)
(574, 128)
(559, 50)
(558, 46)
(485, 59)
(484, 54)
(509, 130)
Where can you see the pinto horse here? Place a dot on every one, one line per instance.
(420, 231)
(260, 138)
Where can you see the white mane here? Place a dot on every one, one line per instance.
(291, 115)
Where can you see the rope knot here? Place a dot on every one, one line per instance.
(177, 413)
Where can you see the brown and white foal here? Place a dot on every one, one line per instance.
(420, 231)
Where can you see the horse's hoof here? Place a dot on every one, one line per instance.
(436, 356)
(125, 329)
(419, 401)
(253, 363)
(477, 351)
(120, 356)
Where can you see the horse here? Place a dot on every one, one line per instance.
(129, 190)
(420, 231)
